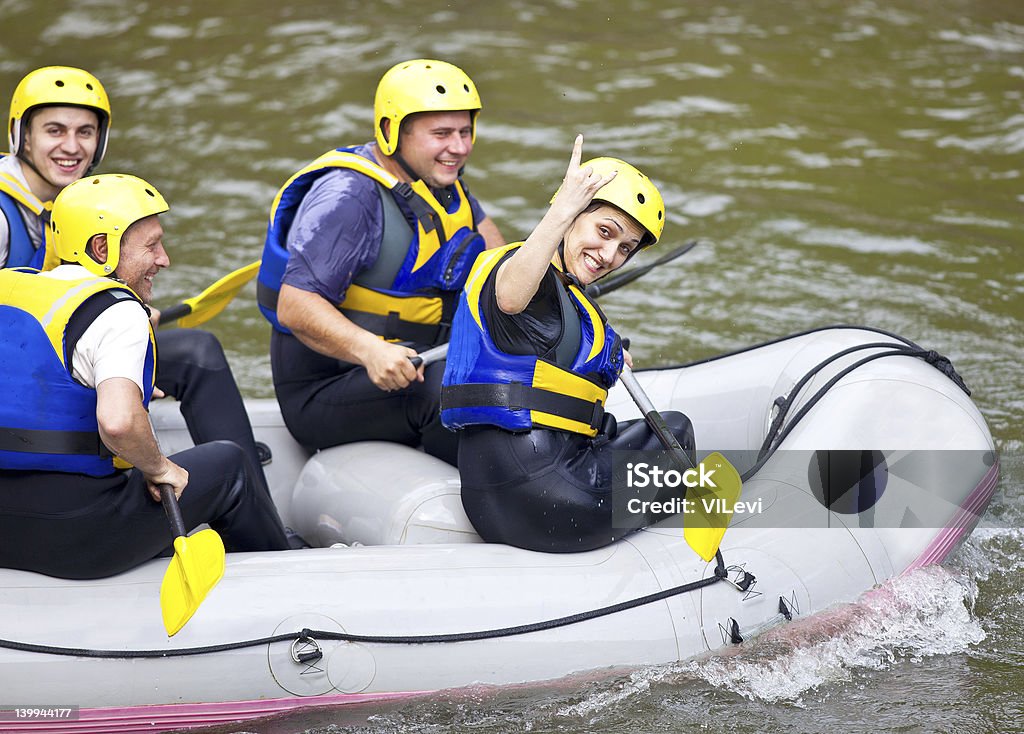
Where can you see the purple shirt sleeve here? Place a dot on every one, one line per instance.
(336, 234)
(479, 214)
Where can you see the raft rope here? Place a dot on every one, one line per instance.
(721, 573)
(777, 433)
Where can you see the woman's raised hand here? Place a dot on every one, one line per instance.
(580, 184)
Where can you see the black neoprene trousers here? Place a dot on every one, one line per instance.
(326, 402)
(80, 527)
(191, 367)
(548, 490)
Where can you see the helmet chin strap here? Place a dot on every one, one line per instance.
(564, 275)
(397, 155)
(442, 195)
(30, 164)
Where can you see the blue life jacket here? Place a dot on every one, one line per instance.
(484, 385)
(21, 251)
(47, 418)
(411, 291)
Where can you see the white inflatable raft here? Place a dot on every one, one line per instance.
(94, 657)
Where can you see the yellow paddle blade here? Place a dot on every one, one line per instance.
(215, 299)
(197, 566)
(708, 518)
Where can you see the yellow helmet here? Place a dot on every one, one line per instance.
(63, 86)
(421, 85)
(632, 192)
(93, 205)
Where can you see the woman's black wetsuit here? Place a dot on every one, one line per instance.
(546, 489)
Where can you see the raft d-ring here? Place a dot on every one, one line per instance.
(744, 579)
(311, 651)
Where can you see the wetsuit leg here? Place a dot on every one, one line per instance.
(74, 526)
(192, 368)
(551, 491)
(223, 491)
(636, 435)
(326, 403)
(535, 490)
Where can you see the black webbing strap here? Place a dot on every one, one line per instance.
(426, 216)
(35, 441)
(390, 326)
(517, 396)
(267, 296)
(393, 327)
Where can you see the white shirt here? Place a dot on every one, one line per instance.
(12, 167)
(114, 345)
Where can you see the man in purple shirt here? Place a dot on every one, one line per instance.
(367, 250)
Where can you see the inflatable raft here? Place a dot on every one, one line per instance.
(401, 598)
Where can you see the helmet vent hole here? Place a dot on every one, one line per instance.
(466, 87)
(88, 86)
(59, 83)
(440, 89)
(150, 193)
(659, 215)
(640, 198)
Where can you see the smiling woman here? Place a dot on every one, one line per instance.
(531, 361)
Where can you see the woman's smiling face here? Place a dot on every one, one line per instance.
(599, 241)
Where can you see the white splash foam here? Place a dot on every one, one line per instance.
(991, 550)
(927, 612)
(639, 681)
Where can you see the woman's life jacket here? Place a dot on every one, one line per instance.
(484, 385)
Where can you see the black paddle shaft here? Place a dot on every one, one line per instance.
(171, 509)
(617, 280)
(175, 312)
(668, 440)
(655, 421)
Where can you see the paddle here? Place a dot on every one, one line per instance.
(196, 567)
(200, 309)
(617, 280)
(427, 356)
(704, 526)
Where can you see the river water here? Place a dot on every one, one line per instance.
(841, 162)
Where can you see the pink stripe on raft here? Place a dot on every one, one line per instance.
(962, 523)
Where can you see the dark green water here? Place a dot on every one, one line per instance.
(855, 162)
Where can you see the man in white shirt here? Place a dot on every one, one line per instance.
(58, 127)
(77, 366)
